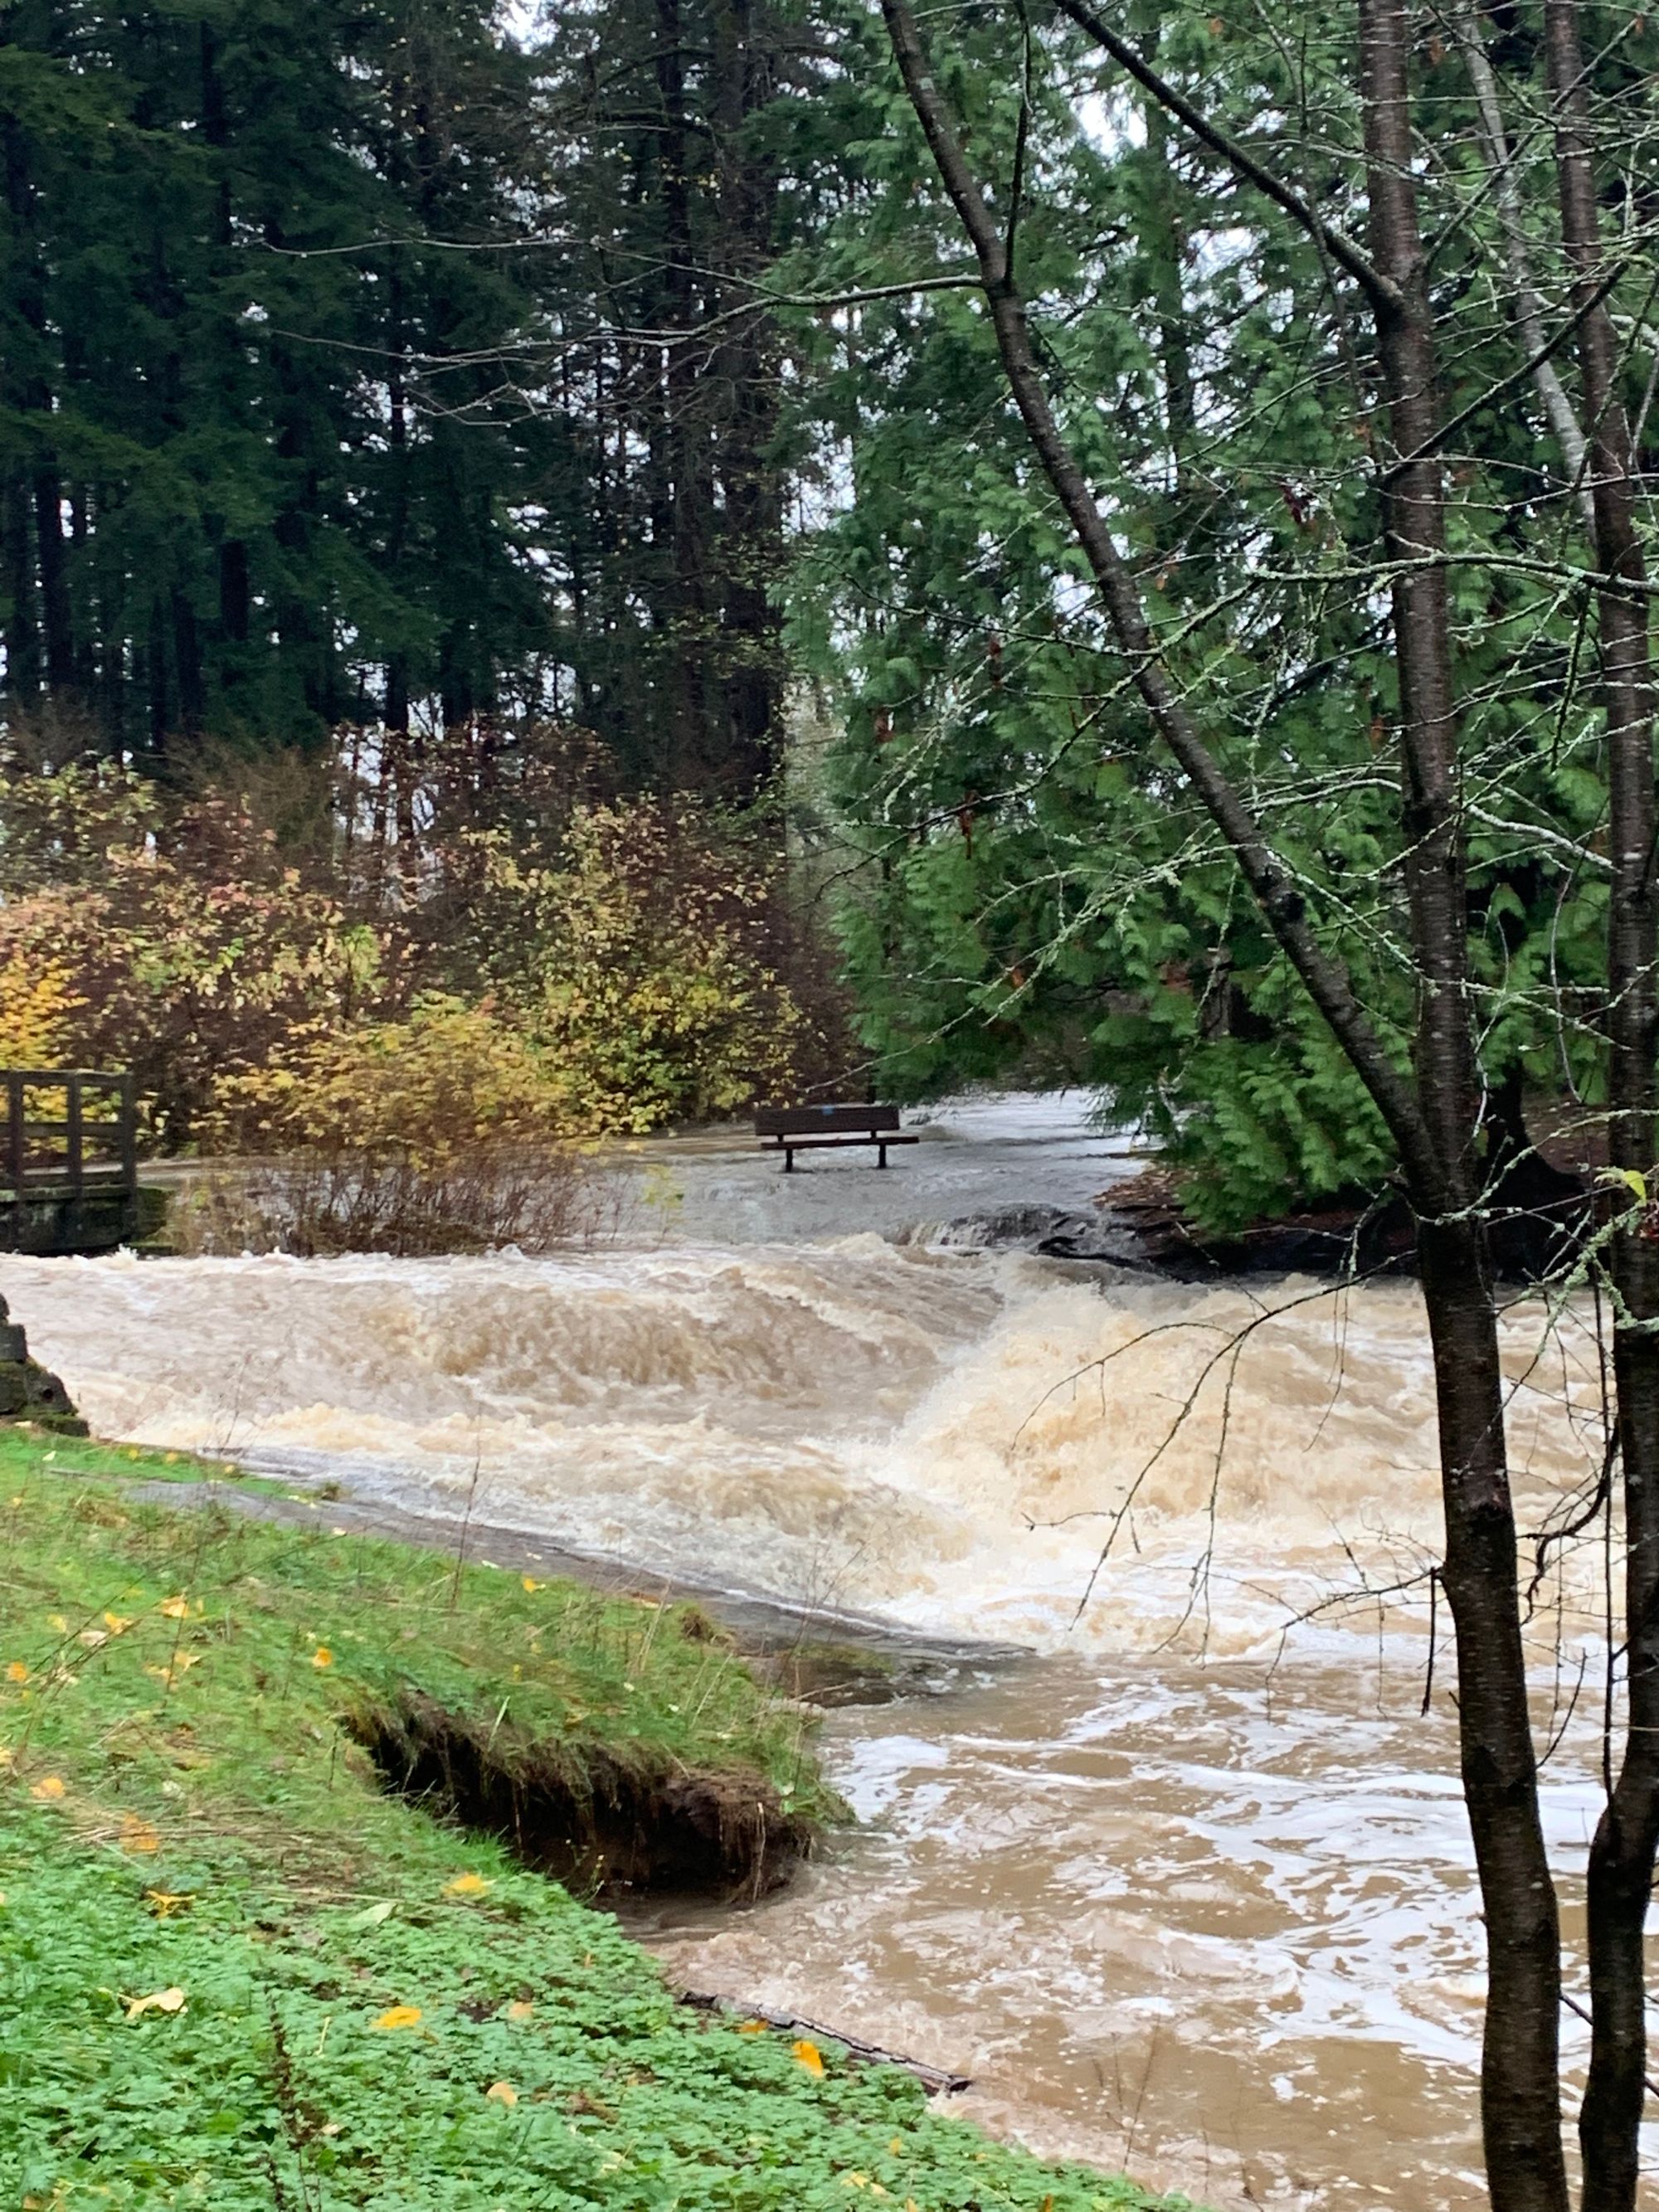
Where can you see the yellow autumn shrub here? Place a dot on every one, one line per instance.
(38, 1003)
(645, 990)
(431, 1085)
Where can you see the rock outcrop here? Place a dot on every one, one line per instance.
(27, 1391)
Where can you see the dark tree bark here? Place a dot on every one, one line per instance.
(688, 487)
(57, 616)
(1166, 243)
(18, 626)
(1622, 1854)
(1520, 2103)
(1436, 1125)
(744, 375)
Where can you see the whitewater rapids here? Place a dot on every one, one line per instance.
(954, 1440)
(1190, 1891)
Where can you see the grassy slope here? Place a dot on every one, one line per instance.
(233, 1973)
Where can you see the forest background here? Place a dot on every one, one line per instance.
(527, 607)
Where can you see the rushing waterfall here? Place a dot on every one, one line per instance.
(1189, 1888)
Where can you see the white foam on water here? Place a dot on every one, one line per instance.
(968, 1441)
(1215, 1921)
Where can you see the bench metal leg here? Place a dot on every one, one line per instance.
(788, 1159)
(881, 1156)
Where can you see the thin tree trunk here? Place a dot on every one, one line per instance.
(1166, 244)
(1281, 901)
(19, 629)
(1436, 1129)
(57, 616)
(1520, 2103)
(1524, 306)
(1622, 1853)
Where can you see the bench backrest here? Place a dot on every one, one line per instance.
(822, 1121)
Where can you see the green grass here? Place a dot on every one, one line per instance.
(235, 1973)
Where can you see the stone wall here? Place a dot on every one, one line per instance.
(27, 1392)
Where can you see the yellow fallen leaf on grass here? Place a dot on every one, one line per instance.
(398, 2016)
(502, 2092)
(116, 1622)
(171, 1999)
(175, 1608)
(751, 2027)
(17, 1672)
(49, 1789)
(322, 1656)
(810, 2056)
(137, 1835)
(520, 2009)
(530, 1582)
(57, 1621)
(164, 1903)
(467, 1884)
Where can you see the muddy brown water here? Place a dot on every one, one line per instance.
(1187, 1888)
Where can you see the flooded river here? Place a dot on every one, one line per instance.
(1185, 1887)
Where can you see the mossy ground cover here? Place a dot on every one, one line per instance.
(234, 1973)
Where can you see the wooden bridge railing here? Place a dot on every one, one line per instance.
(69, 1160)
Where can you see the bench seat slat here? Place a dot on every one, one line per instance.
(839, 1144)
(823, 1120)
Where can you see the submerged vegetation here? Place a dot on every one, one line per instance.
(236, 1971)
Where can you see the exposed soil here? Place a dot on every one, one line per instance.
(581, 1813)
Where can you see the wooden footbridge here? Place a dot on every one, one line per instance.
(69, 1161)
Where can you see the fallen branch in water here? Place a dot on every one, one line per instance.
(933, 2078)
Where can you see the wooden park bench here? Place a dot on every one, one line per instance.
(792, 1129)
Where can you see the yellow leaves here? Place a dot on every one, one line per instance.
(467, 1884)
(17, 1672)
(35, 1002)
(175, 1608)
(520, 2009)
(137, 1835)
(322, 1656)
(751, 2027)
(397, 2016)
(164, 1903)
(808, 2055)
(502, 2093)
(49, 1789)
(897, 2146)
(167, 2001)
(529, 1582)
(1631, 1179)
(59, 1622)
(118, 1623)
